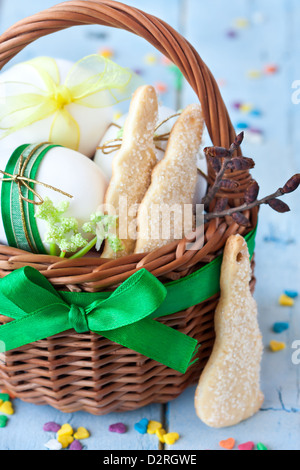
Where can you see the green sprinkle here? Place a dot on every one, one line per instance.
(3, 421)
(4, 397)
(261, 446)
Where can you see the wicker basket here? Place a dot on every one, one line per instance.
(87, 372)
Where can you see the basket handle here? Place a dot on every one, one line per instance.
(158, 33)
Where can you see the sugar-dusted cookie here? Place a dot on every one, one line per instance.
(229, 387)
(132, 167)
(173, 184)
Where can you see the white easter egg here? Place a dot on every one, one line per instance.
(92, 122)
(75, 174)
(104, 161)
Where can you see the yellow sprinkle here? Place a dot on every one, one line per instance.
(107, 53)
(7, 408)
(160, 434)
(254, 74)
(81, 433)
(65, 441)
(117, 116)
(276, 346)
(150, 59)
(153, 426)
(241, 23)
(171, 438)
(65, 430)
(246, 108)
(286, 301)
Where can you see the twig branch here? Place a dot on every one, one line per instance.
(243, 207)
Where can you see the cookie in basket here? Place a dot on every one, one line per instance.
(229, 388)
(173, 185)
(132, 166)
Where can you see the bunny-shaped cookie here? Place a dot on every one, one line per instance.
(229, 387)
(160, 217)
(132, 168)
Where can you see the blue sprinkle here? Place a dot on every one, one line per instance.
(255, 113)
(142, 426)
(242, 125)
(291, 294)
(280, 327)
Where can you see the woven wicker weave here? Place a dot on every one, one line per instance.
(84, 371)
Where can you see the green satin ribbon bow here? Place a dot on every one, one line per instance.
(40, 312)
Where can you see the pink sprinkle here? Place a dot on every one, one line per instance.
(51, 427)
(76, 445)
(120, 428)
(246, 446)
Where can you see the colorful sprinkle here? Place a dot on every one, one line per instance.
(161, 87)
(221, 82)
(246, 108)
(255, 130)
(4, 397)
(65, 430)
(242, 125)
(261, 446)
(232, 34)
(138, 71)
(107, 53)
(241, 23)
(75, 445)
(276, 346)
(153, 426)
(51, 427)
(237, 105)
(255, 113)
(280, 327)
(142, 426)
(117, 116)
(119, 428)
(53, 444)
(292, 294)
(171, 438)
(65, 440)
(165, 61)
(7, 408)
(10, 394)
(228, 444)
(271, 69)
(160, 434)
(246, 446)
(286, 301)
(150, 59)
(81, 433)
(254, 74)
(3, 421)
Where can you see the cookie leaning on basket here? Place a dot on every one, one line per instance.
(229, 388)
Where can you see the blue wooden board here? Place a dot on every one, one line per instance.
(271, 37)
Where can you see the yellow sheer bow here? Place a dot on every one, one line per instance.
(94, 82)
